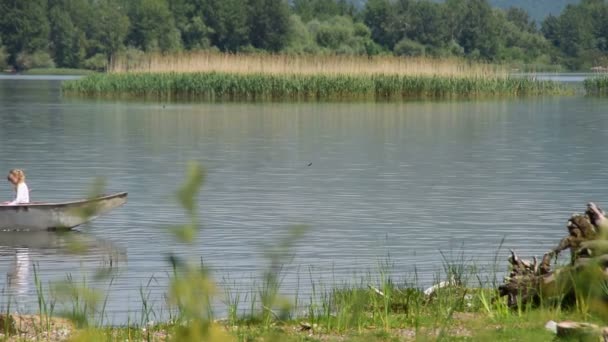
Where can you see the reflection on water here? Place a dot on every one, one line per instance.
(570, 77)
(21, 248)
(18, 277)
(405, 179)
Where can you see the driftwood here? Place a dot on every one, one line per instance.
(578, 331)
(531, 281)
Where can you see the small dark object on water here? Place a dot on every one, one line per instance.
(309, 164)
(163, 106)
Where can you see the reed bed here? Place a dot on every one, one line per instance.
(216, 76)
(271, 86)
(597, 85)
(281, 64)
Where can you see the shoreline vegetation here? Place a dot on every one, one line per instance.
(597, 85)
(381, 306)
(51, 72)
(59, 72)
(216, 76)
(387, 313)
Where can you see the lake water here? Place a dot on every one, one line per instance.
(388, 180)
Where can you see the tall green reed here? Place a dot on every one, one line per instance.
(225, 86)
(597, 85)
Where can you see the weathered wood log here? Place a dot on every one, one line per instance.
(529, 281)
(576, 330)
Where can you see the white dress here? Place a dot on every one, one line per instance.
(23, 195)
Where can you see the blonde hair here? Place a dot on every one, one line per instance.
(18, 175)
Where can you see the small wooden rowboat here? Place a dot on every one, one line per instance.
(54, 216)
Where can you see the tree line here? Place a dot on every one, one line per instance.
(86, 33)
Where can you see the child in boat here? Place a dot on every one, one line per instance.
(17, 178)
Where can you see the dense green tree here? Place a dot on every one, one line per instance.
(426, 25)
(3, 56)
(580, 34)
(550, 29)
(24, 26)
(517, 41)
(597, 13)
(65, 40)
(576, 33)
(521, 19)
(228, 20)
(110, 29)
(189, 16)
(323, 9)
(408, 47)
(152, 26)
(379, 17)
(343, 36)
(300, 38)
(268, 24)
(304, 9)
(478, 29)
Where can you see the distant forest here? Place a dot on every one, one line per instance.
(86, 33)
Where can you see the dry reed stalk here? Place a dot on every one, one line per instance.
(303, 64)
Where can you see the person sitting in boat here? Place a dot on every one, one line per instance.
(17, 178)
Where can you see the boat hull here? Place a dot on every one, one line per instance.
(57, 216)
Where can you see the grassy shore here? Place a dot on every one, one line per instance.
(212, 76)
(384, 313)
(597, 85)
(58, 71)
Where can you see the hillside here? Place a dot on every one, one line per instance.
(538, 9)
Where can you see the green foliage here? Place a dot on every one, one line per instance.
(379, 17)
(268, 24)
(521, 19)
(342, 36)
(37, 59)
(332, 34)
(220, 86)
(3, 57)
(98, 62)
(65, 43)
(153, 26)
(580, 34)
(322, 9)
(190, 20)
(187, 196)
(301, 40)
(108, 32)
(407, 47)
(478, 29)
(228, 19)
(597, 85)
(24, 26)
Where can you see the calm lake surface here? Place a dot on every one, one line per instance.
(388, 180)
